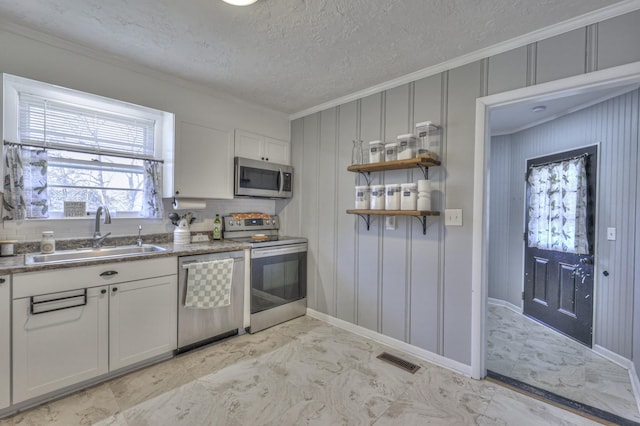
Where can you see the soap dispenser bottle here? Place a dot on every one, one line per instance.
(217, 228)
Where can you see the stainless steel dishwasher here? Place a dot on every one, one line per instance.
(198, 327)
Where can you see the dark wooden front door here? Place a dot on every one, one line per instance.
(558, 288)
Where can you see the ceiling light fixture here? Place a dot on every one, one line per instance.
(240, 2)
(539, 108)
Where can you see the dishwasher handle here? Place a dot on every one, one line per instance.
(185, 265)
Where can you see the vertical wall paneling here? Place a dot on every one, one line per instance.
(618, 40)
(326, 196)
(426, 285)
(499, 206)
(561, 56)
(434, 300)
(464, 88)
(290, 210)
(613, 125)
(394, 249)
(636, 291)
(346, 278)
(508, 70)
(368, 257)
(309, 199)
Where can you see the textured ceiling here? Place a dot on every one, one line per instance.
(290, 55)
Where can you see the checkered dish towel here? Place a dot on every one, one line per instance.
(209, 284)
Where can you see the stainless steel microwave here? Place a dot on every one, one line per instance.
(262, 179)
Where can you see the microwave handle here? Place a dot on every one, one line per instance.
(280, 181)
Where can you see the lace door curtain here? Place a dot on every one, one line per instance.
(558, 206)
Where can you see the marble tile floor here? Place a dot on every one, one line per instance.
(303, 372)
(525, 350)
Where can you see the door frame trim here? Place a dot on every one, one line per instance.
(608, 78)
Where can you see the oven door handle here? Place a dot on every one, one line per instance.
(278, 251)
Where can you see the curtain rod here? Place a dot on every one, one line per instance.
(34, 145)
(586, 154)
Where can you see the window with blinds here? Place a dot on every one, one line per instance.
(98, 150)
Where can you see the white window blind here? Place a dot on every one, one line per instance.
(59, 125)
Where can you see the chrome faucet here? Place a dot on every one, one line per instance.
(98, 238)
(139, 240)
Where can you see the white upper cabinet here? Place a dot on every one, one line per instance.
(259, 147)
(203, 163)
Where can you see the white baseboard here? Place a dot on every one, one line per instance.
(505, 304)
(624, 363)
(423, 354)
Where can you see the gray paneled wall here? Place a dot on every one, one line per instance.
(414, 287)
(613, 125)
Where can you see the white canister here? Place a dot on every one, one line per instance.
(391, 151)
(7, 248)
(377, 197)
(424, 185)
(376, 151)
(181, 235)
(406, 146)
(363, 197)
(424, 203)
(409, 197)
(48, 243)
(392, 196)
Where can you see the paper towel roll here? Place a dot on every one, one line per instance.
(189, 204)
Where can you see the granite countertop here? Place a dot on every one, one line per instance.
(15, 264)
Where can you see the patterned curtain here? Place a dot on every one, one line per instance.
(558, 206)
(152, 204)
(25, 183)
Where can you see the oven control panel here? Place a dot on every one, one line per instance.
(239, 222)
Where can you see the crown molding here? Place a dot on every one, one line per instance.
(590, 18)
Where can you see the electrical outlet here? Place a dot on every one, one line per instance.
(453, 217)
(390, 223)
(611, 234)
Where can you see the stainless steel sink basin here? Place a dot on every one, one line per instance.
(89, 254)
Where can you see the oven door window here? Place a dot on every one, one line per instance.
(278, 280)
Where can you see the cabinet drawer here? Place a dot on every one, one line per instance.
(43, 282)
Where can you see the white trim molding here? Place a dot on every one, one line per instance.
(590, 18)
(423, 354)
(505, 304)
(625, 363)
(610, 78)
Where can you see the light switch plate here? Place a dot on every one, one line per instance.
(453, 217)
(611, 234)
(390, 223)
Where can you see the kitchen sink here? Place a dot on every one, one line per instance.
(65, 256)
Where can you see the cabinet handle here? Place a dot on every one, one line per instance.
(114, 289)
(262, 158)
(108, 273)
(103, 291)
(2, 280)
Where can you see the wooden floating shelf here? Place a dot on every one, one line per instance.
(394, 165)
(394, 212)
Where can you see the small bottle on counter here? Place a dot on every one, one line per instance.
(48, 243)
(217, 228)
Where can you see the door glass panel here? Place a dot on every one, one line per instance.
(253, 178)
(558, 206)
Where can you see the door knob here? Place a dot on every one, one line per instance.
(586, 261)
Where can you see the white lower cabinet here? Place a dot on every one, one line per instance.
(5, 341)
(143, 320)
(58, 346)
(75, 324)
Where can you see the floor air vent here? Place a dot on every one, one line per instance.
(399, 362)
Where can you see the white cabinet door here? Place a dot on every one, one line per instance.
(58, 348)
(203, 165)
(276, 151)
(143, 321)
(5, 342)
(259, 147)
(249, 145)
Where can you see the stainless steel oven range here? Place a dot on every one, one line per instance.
(278, 268)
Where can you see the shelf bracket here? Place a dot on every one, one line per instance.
(425, 170)
(423, 221)
(367, 177)
(367, 219)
